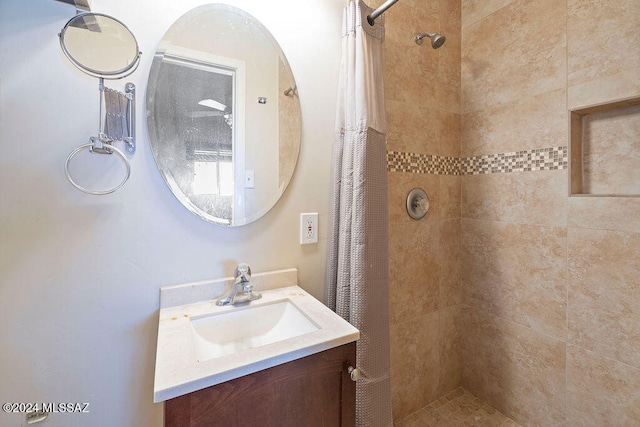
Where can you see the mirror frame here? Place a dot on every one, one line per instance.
(116, 74)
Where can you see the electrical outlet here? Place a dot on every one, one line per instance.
(308, 228)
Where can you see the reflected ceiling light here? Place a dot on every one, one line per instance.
(212, 104)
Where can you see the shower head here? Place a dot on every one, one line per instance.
(437, 39)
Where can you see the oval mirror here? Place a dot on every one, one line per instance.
(100, 45)
(223, 115)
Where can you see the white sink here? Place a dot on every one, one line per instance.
(201, 344)
(220, 334)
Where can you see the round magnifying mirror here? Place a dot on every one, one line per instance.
(100, 45)
(223, 115)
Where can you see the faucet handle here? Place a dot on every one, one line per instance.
(242, 272)
(247, 287)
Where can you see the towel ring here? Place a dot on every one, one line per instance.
(109, 149)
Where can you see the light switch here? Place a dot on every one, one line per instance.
(249, 179)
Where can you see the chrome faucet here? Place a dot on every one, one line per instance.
(242, 290)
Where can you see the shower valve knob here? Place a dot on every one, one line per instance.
(354, 373)
(422, 204)
(417, 203)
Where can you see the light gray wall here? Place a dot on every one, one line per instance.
(79, 274)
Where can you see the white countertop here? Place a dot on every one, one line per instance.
(178, 371)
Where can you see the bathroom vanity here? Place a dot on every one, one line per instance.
(279, 360)
(312, 391)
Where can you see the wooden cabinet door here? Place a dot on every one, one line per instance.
(313, 391)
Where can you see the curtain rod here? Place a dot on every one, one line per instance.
(379, 11)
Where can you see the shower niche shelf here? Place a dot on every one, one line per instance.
(605, 150)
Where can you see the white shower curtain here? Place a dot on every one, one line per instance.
(357, 268)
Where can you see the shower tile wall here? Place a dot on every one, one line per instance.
(611, 161)
(551, 284)
(422, 95)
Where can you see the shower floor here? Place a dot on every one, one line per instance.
(456, 409)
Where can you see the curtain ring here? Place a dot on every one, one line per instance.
(95, 192)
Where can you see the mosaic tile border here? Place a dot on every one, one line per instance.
(539, 159)
(398, 161)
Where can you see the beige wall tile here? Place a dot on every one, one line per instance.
(374, 3)
(423, 130)
(601, 391)
(517, 52)
(602, 38)
(422, 95)
(449, 264)
(415, 353)
(611, 152)
(524, 64)
(480, 369)
(414, 76)
(450, 360)
(608, 213)
(450, 13)
(475, 10)
(522, 124)
(412, 129)
(604, 89)
(450, 196)
(449, 57)
(428, 8)
(518, 371)
(517, 272)
(408, 63)
(449, 137)
(604, 290)
(435, 8)
(417, 86)
(524, 197)
(414, 286)
(450, 27)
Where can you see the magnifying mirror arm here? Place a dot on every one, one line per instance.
(126, 131)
